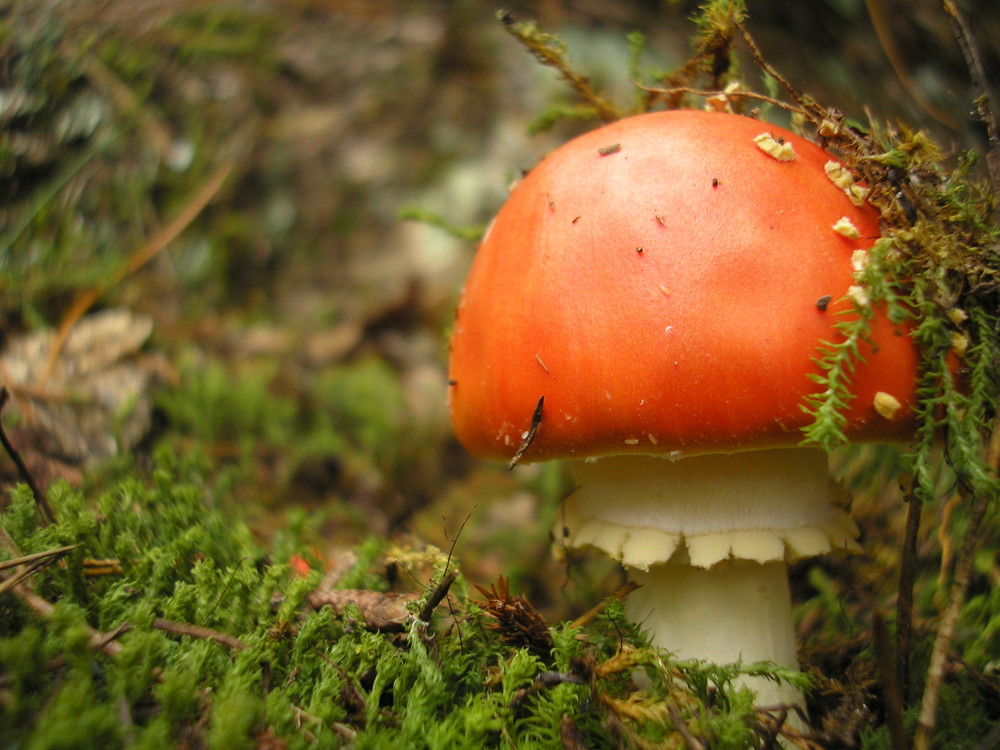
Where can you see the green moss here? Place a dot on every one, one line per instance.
(305, 676)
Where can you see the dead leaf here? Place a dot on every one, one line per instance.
(381, 611)
(517, 621)
(98, 399)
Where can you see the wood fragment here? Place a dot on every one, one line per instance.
(690, 741)
(570, 734)
(904, 596)
(949, 617)
(44, 509)
(890, 688)
(587, 617)
(518, 623)
(536, 419)
(196, 631)
(437, 595)
(380, 611)
(140, 257)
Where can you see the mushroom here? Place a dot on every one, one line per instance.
(648, 304)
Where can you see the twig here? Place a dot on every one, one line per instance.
(946, 627)
(594, 611)
(145, 253)
(9, 582)
(440, 592)
(42, 503)
(690, 741)
(949, 618)
(738, 94)
(50, 553)
(904, 598)
(992, 740)
(546, 50)
(529, 438)
(196, 631)
(771, 727)
(977, 73)
(100, 641)
(890, 688)
(883, 23)
(807, 104)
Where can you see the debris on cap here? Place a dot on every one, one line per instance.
(780, 149)
(886, 405)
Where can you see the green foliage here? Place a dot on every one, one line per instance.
(91, 167)
(289, 671)
(431, 218)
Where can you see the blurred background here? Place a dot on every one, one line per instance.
(236, 179)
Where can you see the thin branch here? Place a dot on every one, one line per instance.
(583, 620)
(196, 631)
(706, 93)
(440, 592)
(50, 553)
(808, 104)
(949, 618)
(9, 582)
(890, 687)
(42, 502)
(548, 51)
(904, 598)
(145, 253)
(946, 627)
(883, 23)
(529, 438)
(690, 741)
(977, 73)
(43, 608)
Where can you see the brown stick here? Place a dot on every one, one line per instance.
(25, 559)
(690, 741)
(44, 608)
(134, 262)
(904, 599)
(439, 593)
(42, 502)
(583, 620)
(949, 617)
(196, 631)
(977, 73)
(890, 688)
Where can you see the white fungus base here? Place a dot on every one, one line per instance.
(709, 537)
(735, 611)
(757, 505)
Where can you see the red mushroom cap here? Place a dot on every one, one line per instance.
(662, 281)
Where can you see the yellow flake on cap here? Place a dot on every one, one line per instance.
(886, 405)
(845, 227)
(858, 295)
(780, 150)
(857, 194)
(859, 260)
(839, 175)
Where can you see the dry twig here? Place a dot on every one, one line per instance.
(196, 631)
(904, 598)
(44, 509)
(949, 617)
(145, 253)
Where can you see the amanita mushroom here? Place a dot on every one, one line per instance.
(663, 283)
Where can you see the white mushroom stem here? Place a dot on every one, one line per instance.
(709, 537)
(734, 611)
